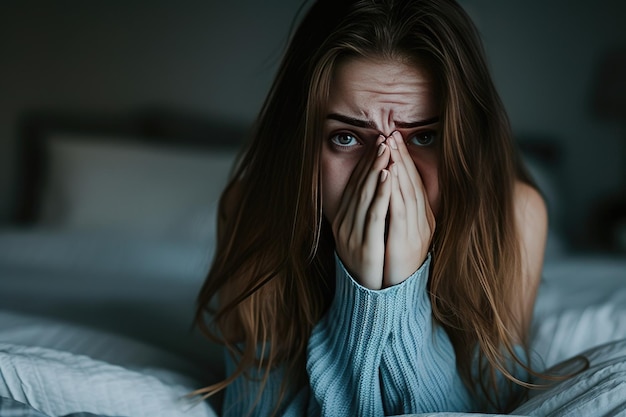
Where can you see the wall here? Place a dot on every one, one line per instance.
(207, 57)
(543, 56)
(218, 58)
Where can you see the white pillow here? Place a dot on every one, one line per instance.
(600, 390)
(113, 184)
(59, 383)
(558, 337)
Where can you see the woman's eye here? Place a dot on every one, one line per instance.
(344, 140)
(425, 138)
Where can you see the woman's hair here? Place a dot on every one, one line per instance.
(274, 267)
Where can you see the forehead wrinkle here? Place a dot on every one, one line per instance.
(383, 96)
(382, 123)
(390, 122)
(385, 120)
(374, 121)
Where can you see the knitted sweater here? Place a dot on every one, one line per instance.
(374, 353)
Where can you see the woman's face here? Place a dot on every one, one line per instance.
(372, 97)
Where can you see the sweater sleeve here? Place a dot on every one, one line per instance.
(418, 365)
(374, 352)
(244, 396)
(377, 352)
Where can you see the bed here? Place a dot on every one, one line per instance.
(113, 234)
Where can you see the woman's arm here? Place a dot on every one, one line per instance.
(375, 352)
(531, 220)
(379, 352)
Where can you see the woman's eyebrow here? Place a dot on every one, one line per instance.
(368, 124)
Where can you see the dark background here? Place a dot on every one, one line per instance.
(217, 59)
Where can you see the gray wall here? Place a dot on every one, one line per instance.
(208, 57)
(544, 57)
(218, 58)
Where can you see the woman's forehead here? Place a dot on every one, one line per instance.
(381, 91)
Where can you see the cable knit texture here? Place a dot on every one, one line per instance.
(375, 352)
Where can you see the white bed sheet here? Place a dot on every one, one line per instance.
(110, 292)
(34, 330)
(581, 303)
(142, 289)
(58, 383)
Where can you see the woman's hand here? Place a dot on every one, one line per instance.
(411, 219)
(359, 226)
(386, 183)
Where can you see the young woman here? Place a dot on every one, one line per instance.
(380, 244)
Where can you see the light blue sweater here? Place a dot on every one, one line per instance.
(374, 353)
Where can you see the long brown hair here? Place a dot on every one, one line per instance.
(273, 267)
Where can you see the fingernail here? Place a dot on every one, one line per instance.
(392, 143)
(381, 149)
(394, 169)
(381, 139)
(383, 175)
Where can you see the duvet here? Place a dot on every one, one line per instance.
(102, 326)
(12, 408)
(40, 382)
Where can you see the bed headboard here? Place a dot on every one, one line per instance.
(149, 126)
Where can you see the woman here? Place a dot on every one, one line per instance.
(380, 244)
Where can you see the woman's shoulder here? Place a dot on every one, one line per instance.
(531, 219)
(531, 213)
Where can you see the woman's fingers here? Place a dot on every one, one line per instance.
(424, 210)
(409, 225)
(374, 241)
(363, 201)
(359, 238)
(407, 160)
(418, 184)
(355, 180)
(406, 187)
(397, 232)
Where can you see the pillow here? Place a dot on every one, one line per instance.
(113, 184)
(557, 337)
(581, 302)
(113, 348)
(59, 383)
(599, 390)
